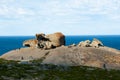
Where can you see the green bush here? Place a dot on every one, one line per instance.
(14, 71)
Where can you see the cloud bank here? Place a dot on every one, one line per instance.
(79, 16)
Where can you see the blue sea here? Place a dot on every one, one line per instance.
(8, 43)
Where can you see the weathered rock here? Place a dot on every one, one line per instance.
(45, 44)
(96, 43)
(50, 40)
(84, 43)
(41, 37)
(30, 43)
(57, 38)
(85, 53)
(72, 45)
(102, 57)
(25, 54)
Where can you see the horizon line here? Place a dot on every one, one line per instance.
(66, 35)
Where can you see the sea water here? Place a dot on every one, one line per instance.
(8, 43)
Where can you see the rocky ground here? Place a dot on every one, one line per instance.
(102, 57)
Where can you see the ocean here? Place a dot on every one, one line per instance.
(8, 43)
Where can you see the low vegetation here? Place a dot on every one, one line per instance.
(34, 70)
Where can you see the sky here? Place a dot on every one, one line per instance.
(71, 17)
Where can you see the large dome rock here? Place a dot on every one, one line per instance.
(102, 57)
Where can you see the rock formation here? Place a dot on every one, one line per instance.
(95, 43)
(86, 53)
(41, 37)
(51, 40)
(31, 43)
(46, 41)
(84, 43)
(70, 56)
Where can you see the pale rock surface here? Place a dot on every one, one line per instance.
(102, 57)
(84, 43)
(86, 53)
(96, 43)
(57, 38)
(48, 41)
(31, 43)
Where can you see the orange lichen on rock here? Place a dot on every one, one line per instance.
(46, 41)
(30, 43)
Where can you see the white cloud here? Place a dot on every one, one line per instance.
(21, 11)
(8, 10)
(89, 7)
(52, 13)
(61, 8)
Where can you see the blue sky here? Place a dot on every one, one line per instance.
(71, 17)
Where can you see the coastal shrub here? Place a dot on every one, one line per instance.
(37, 71)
